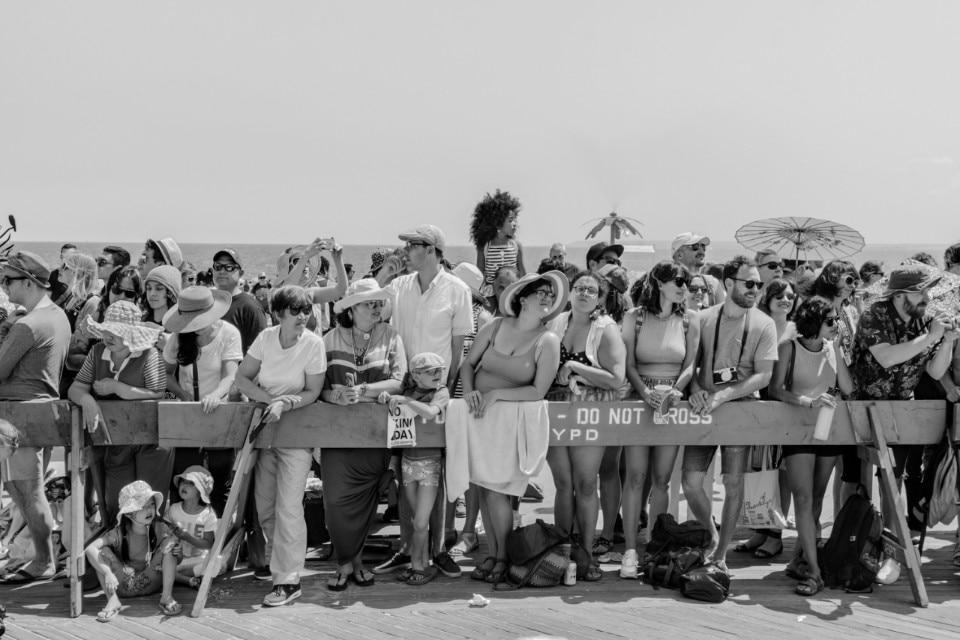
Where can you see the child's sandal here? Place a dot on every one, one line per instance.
(171, 608)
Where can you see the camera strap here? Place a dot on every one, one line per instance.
(716, 338)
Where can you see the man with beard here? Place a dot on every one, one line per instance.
(896, 342)
(690, 250)
(738, 346)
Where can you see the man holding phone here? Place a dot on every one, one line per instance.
(738, 346)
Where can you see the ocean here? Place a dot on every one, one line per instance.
(258, 258)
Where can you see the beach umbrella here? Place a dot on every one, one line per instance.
(619, 226)
(823, 238)
(944, 296)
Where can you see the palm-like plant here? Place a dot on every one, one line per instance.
(619, 226)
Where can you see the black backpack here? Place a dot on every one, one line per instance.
(674, 550)
(708, 583)
(851, 556)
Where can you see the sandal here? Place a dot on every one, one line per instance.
(763, 554)
(419, 577)
(404, 575)
(107, 615)
(498, 573)
(601, 545)
(809, 586)
(746, 547)
(359, 580)
(171, 608)
(484, 568)
(594, 574)
(466, 543)
(339, 581)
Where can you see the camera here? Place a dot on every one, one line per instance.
(726, 375)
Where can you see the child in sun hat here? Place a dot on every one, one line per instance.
(123, 366)
(426, 395)
(127, 557)
(195, 525)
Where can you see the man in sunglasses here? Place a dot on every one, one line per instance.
(602, 254)
(738, 346)
(111, 259)
(690, 250)
(31, 359)
(245, 312)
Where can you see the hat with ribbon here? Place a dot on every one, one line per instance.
(196, 308)
(363, 290)
(200, 478)
(136, 496)
(122, 319)
(559, 282)
(30, 266)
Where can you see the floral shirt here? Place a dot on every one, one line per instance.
(881, 324)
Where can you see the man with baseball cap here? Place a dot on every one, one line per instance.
(31, 359)
(897, 339)
(245, 312)
(602, 254)
(690, 250)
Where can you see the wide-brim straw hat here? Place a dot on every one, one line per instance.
(196, 308)
(296, 253)
(200, 478)
(363, 290)
(122, 319)
(560, 285)
(135, 496)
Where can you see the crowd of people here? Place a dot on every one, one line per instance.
(482, 346)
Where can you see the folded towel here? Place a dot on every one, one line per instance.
(500, 451)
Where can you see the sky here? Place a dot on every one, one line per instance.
(281, 121)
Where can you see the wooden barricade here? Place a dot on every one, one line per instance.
(873, 425)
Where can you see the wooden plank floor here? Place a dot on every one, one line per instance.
(762, 605)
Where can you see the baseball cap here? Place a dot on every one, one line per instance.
(230, 253)
(428, 234)
(687, 238)
(598, 250)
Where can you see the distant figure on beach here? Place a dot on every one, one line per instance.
(493, 231)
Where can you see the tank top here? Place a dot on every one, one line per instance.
(661, 346)
(500, 371)
(814, 372)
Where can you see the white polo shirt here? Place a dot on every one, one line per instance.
(428, 321)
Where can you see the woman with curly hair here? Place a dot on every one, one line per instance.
(493, 231)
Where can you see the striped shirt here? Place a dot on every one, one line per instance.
(143, 371)
(498, 256)
(383, 359)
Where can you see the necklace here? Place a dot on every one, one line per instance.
(359, 353)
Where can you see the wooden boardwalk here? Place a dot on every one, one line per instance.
(762, 605)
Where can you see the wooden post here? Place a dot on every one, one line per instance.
(77, 563)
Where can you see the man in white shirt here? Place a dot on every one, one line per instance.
(432, 312)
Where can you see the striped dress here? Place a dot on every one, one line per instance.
(495, 257)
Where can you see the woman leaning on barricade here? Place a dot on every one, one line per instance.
(283, 368)
(514, 359)
(809, 367)
(201, 358)
(366, 358)
(661, 340)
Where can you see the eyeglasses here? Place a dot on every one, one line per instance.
(849, 280)
(773, 266)
(786, 296)
(750, 284)
(590, 292)
(5, 280)
(830, 321)
(696, 288)
(102, 262)
(297, 311)
(117, 291)
(680, 281)
(374, 304)
(544, 294)
(694, 247)
(229, 268)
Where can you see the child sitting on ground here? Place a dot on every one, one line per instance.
(127, 558)
(425, 393)
(195, 526)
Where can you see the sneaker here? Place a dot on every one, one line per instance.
(447, 565)
(628, 566)
(282, 594)
(398, 561)
(263, 573)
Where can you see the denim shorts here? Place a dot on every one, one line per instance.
(425, 472)
(733, 459)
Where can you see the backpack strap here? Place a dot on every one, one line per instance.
(788, 380)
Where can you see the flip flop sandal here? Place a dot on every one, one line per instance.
(418, 577)
(498, 573)
(809, 586)
(763, 554)
(404, 575)
(340, 581)
(465, 544)
(360, 581)
(107, 615)
(484, 568)
(171, 608)
(743, 547)
(594, 574)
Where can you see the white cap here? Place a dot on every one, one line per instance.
(688, 237)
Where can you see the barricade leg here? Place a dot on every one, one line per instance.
(240, 481)
(77, 539)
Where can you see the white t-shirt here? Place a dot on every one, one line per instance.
(283, 371)
(194, 524)
(224, 347)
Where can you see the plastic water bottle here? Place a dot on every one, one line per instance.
(824, 423)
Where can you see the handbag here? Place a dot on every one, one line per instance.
(761, 496)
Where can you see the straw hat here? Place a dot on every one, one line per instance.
(122, 319)
(200, 478)
(291, 255)
(196, 308)
(136, 496)
(363, 290)
(171, 252)
(560, 285)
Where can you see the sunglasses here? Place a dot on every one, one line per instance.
(849, 280)
(612, 260)
(590, 292)
(696, 288)
(229, 268)
(118, 291)
(695, 247)
(5, 280)
(786, 296)
(102, 262)
(374, 304)
(773, 266)
(544, 294)
(830, 321)
(750, 284)
(680, 281)
(297, 311)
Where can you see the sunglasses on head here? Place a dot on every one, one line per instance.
(830, 321)
(750, 284)
(221, 266)
(786, 295)
(119, 291)
(298, 310)
(773, 265)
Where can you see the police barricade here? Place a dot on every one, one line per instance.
(183, 424)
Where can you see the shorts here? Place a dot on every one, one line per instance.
(25, 464)
(425, 472)
(733, 458)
